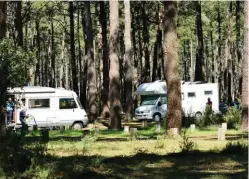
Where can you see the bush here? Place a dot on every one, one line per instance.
(239, 147)
(185, 144)
(209, 118)
(233, 118)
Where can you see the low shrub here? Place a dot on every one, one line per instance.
(236, 147)
(186, 145)
(233, 118)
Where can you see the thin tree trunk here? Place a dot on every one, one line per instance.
(105, 90)
(38, 54)
(72, 45)
(3, 16)
(18, 23)
(213, 77)
(238, 50)
(128, 62)
(146, 39)
(114, 93)
(53, 71)
(79, 49)
(174, 112)
(199, 69)
(245, 71)
(91, 76)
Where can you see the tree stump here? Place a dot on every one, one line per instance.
(126, 129)
(133, 133)
(173, 131)
(35, 128)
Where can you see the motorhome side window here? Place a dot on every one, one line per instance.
(191, 94)
(67, 103)
(39, 103)
(208, 92)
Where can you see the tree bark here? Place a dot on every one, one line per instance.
(128, 62)
(72, 45)
(199, 67)
(38, 73)
(245, 71)
(53, 71)
(114, 93)
(105, 90)
(3, 16)
(91, 76)
(18, 23)
(146, 39)
(174, 112)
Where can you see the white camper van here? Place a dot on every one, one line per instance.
(47, 107)
(194, 98)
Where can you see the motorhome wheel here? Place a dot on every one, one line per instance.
(77, 126)
(157, 117)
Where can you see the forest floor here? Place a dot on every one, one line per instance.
(112, 154)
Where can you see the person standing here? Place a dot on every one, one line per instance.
(209, 103)
(9, 109)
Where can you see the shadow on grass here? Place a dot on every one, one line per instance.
(192, 165)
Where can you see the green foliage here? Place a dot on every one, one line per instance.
(236, 147)
(185, 144)
(209, 118)
(14, 64)
(233, 118)
(87, 142)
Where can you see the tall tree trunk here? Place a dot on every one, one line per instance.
(220, 78)
(245, 71)
(199, 67)
(3, 16)
(213, 77)
(238, 50)
(229, 57)
(146, 39)
(73, 61)
(128, 62)
(91, 76)
(79, 48)
(18, 23)
(114, 93)
(174, 111)
(38, 54)
(53, 71)
(105, 90)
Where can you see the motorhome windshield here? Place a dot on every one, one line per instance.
(149, 100)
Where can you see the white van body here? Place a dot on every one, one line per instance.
(50, 107)
(194, 98)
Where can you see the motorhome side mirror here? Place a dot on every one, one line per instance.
(159, 104)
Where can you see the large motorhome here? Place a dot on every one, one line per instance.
(47, 107)
(194, 97)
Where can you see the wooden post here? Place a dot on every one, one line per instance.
(224, 126)
(133, 133)
(96, 131)
(35, 128)
(62, 129)
(221, 134)
(45, 135)
(192, 128)
(144, 124)
(126, 129)
(158, 128)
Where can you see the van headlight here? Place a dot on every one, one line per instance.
(146, 111)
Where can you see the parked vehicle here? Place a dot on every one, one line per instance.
(194, 98)
(47, 107)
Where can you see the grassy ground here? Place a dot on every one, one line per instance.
(111, 154)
